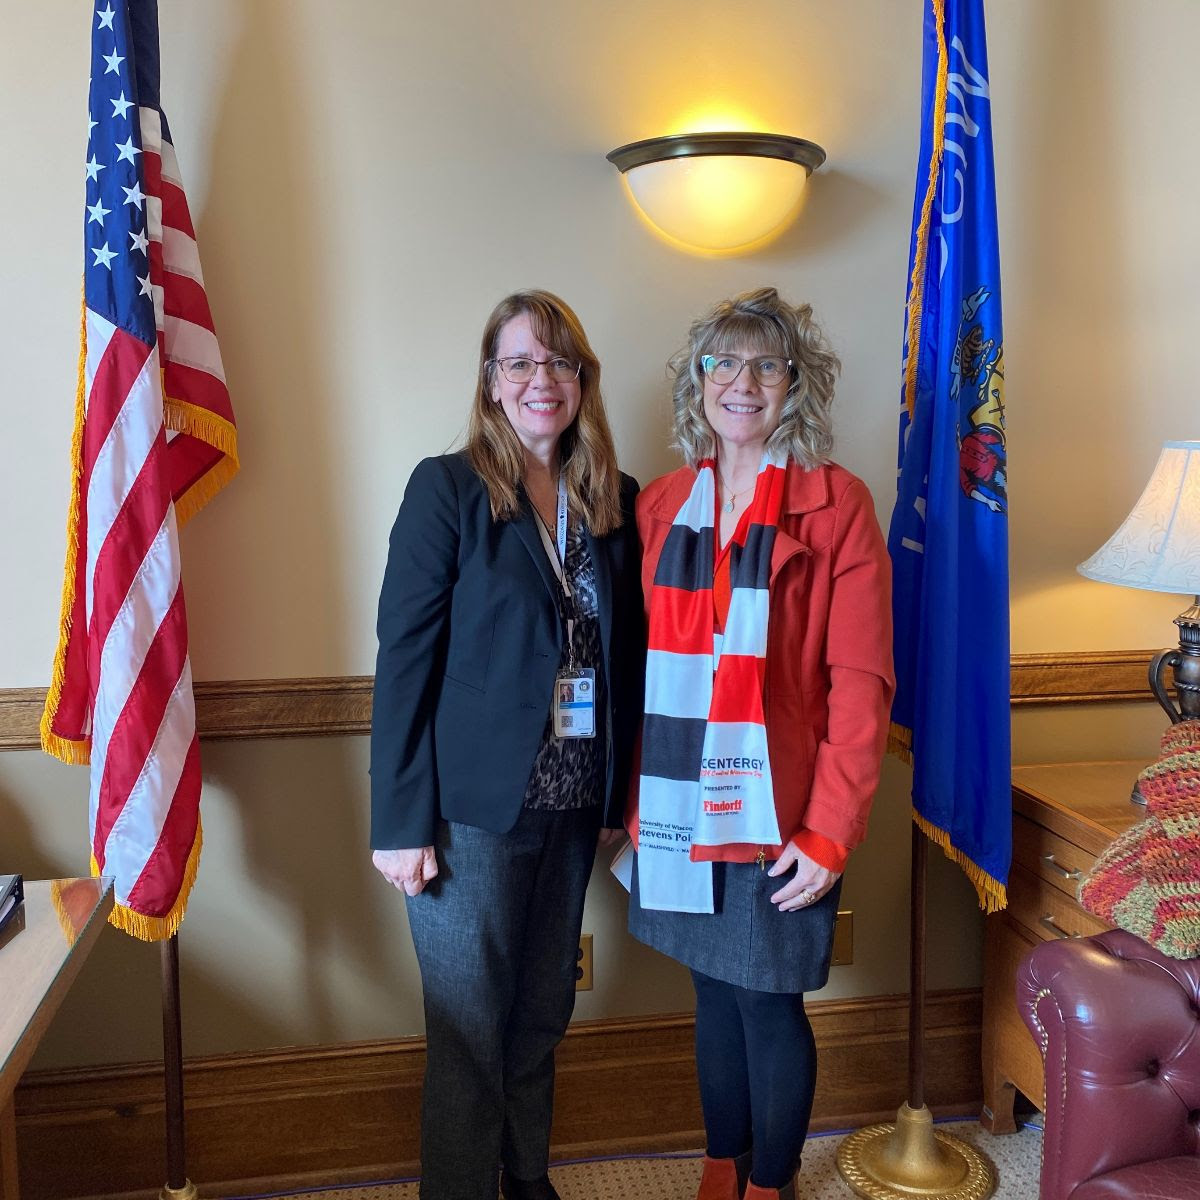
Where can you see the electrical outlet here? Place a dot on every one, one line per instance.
(583, 964)
(843, 938)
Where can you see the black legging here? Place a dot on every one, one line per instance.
(757, 1061)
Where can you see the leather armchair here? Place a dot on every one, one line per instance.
(1118, 1025)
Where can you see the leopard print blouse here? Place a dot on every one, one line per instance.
(569, 773)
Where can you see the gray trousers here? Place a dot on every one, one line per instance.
(496, 936)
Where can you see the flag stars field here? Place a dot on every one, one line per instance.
(122, 151)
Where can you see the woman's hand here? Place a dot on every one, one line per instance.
(610, 837)
(409, 870)
(807, 886)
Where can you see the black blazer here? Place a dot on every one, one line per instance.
(469, 644)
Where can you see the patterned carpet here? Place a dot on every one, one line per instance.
(1016, 1159)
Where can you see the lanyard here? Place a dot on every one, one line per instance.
(557, 554)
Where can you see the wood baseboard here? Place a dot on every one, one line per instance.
(312, 1116)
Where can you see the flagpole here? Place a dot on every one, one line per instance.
(908, 1159)
(178, 1186)
(916, 971)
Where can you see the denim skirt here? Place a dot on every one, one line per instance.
(746, 941)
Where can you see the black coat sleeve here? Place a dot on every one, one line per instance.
(629, 617)
(414, 622)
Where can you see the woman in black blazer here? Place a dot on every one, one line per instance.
(510, 624)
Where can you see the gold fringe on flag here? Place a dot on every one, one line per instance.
(916, 286)
(69, 750)
(900, 742)
(207, 426)
(203, 490)
(158, 929)
(993, 896)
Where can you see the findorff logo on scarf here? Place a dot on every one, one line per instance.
(706, 776)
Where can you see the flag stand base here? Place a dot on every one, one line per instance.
(911, 1159)
(187, 1192)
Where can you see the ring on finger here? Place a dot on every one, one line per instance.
(807, 897)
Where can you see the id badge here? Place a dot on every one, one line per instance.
(575, 703)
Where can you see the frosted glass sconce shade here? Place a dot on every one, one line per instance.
(718, 192)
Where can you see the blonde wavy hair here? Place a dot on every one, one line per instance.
(587, 456)
(760, 320)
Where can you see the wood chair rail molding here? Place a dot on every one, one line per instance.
(272, 708)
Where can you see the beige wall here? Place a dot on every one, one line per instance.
(366, 182)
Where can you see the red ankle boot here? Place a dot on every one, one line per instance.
(724, 1178)
(754, 1192)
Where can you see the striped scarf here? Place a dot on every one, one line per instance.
(705, 775)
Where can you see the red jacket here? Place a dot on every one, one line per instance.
(829, 682)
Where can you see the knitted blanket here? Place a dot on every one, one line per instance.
(1148, 880)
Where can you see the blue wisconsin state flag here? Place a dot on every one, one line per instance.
(949, 532)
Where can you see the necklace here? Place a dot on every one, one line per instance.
(731, 496)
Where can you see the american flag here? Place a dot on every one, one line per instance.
(154, 441)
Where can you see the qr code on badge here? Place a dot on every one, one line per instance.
(566, 720)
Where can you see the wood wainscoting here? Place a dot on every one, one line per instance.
(311, 1116)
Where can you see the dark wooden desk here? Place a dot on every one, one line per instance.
(41, 952)
(1064, 815)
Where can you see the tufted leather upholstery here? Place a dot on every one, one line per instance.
(1118, 1024)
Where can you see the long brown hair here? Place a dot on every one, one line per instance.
(587, 456)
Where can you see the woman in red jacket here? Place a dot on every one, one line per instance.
(768, 687)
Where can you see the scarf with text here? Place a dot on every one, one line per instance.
(705, 774)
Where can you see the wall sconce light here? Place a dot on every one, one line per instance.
(718, 192)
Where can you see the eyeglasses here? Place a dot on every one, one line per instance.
(523, 370)
(768, 369)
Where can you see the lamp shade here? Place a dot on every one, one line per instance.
(718, 192)
(1157, 546)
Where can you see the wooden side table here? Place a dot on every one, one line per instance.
(1064, 815)
(41, 952)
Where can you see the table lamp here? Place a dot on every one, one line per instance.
(1157, 548)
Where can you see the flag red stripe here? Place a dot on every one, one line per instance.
(185, 298)
(191, 459)
(119, 367)
(197, 387)
(135, 730)
(154, 254)
(158, 886)
(175, 208)
(125, 547)
(151, 169)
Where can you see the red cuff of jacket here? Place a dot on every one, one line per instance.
(826, 853)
